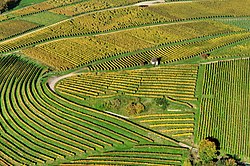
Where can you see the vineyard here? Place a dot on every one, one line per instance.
(77, 51)
(172, 53)
(90, 6)
(177, 82)
(5, 17)
(62, 131)
(44, 18)
(239, 22)
(129, 17)
(145, 154)
(125, 82)
(43, 6)
(176, 124)
(224, 106)
(135, 16)
(15, 27)
(240, 50)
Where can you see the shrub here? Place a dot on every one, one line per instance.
(162, 102)
(135, 108)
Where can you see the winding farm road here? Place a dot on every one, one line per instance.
(149, 2)
(54, 79)
(155, 2)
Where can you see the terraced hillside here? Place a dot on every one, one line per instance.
(128, 17)
(145, 154)
(41, 127)
(179, 125)
(225, 104)
(172, 53)
(79, 51)
(125, 82)
(177, 82)
(239, 50)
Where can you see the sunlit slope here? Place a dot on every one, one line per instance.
(145, 154)
(19, 20)
(110, 20)
(174, 53)
(73, 52)
(176, 124)
(224, 109)
(177, 82)
(14, 27)
(238, 50)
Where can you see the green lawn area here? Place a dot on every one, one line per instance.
(44, 18)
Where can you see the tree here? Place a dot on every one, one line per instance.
(207, 151)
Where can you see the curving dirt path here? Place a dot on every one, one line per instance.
(54, 79)
(150, 2)
(155, 2)
(185, 145)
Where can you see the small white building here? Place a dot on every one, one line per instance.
(155, 61)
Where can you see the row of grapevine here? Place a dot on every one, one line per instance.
(179, 125)
(41, 127)
(148, 154)
(224, 109)
(110, 20)
(43, 6)
(5, 17)
(78, 51)
(176, 81)
(90, 6)
(172, 53)
(241, 49)
(15, 27)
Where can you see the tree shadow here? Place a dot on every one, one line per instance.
(216, 141)
(13, 3)
(10, 4)
(159, 60)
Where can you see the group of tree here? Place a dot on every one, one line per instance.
(208, 154)
(7, 4)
